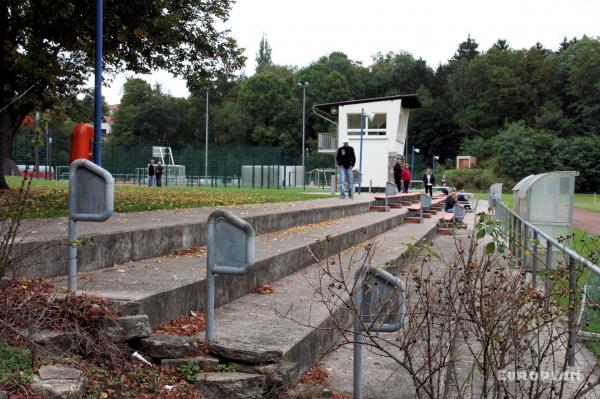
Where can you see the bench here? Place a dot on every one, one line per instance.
(457, 216)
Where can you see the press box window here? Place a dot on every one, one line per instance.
(376, 127)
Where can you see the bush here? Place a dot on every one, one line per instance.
(475, 179)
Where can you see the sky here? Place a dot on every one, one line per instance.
(301, 31)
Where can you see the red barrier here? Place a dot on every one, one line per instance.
(81, 142)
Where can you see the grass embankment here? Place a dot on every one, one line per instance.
(50, 198)
(584, 201)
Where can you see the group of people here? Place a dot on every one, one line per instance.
(155, 173)
(402, 178)
(402, 175)
(346, 159)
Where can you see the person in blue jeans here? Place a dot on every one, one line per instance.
(346, 160)
(151, 173)
(450, 202)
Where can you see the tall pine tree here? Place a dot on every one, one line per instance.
(263, 56)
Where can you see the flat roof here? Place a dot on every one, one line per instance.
(408, 101)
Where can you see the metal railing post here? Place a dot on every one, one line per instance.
(534, 260)
(572, 309)
(524, 246)
(547, 280)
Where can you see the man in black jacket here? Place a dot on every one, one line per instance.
(346, 160)
(398, 173)
(428, 182)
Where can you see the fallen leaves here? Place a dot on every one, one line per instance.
(315, 375)
(265, 289)
(185, 326)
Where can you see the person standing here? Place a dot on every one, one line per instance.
(444, 181)
(159, 173)
(406, 177)
(398, 173)
(428, 182)
(345, 160)
(151, 173)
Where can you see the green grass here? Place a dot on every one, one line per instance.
(15, 364)
(50, 198)
(584, 201)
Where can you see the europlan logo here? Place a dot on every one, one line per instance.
(544, 376)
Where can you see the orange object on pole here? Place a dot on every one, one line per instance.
(82, 140)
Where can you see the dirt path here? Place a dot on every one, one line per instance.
(587, 220)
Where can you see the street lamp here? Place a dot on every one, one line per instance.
(435, 158)
(206, 141)
(412, 159)
(304, 86)
(369, 115)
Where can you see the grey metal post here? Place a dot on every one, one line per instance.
(210, 304)
(525, 247)
(358, 347)
(547, 280)
(47, 176)
(72, 255)
(206, 142)
(421, 214)
(572, 310)
(534, 260)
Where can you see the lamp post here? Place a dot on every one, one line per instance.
(206, 143)
(412, 159)
(98, 88)
(370, 115)
(435, 158)
(304, 86)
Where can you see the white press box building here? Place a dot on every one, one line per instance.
(384, 132)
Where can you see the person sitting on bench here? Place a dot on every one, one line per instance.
(450, 202)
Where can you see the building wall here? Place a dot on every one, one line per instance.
(379, 152)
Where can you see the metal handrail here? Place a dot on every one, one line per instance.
(572, 254)
(518, 230)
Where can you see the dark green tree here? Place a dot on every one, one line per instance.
(263, 56)
(43, 59)
(467, 50)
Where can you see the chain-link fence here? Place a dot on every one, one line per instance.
(258, 167)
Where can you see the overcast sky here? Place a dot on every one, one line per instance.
(299, 32)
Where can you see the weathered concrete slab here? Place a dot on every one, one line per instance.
(230, 385)
(169, 287)
(308, 329)
(42, 244)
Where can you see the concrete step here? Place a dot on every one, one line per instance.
(167, 288)
(293, 323)
(41, 249)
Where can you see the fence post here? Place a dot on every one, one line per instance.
(525, 236)
(572, 309)
(547, 279)
(534, 259)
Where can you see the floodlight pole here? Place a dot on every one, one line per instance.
(435, 157)
(303, 85)
(412, 160)
(98, 88)
(206, 142)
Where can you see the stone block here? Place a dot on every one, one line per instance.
(246, 353)
(58, 381)
(128, 327)
(161, 346)
(230, 385)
